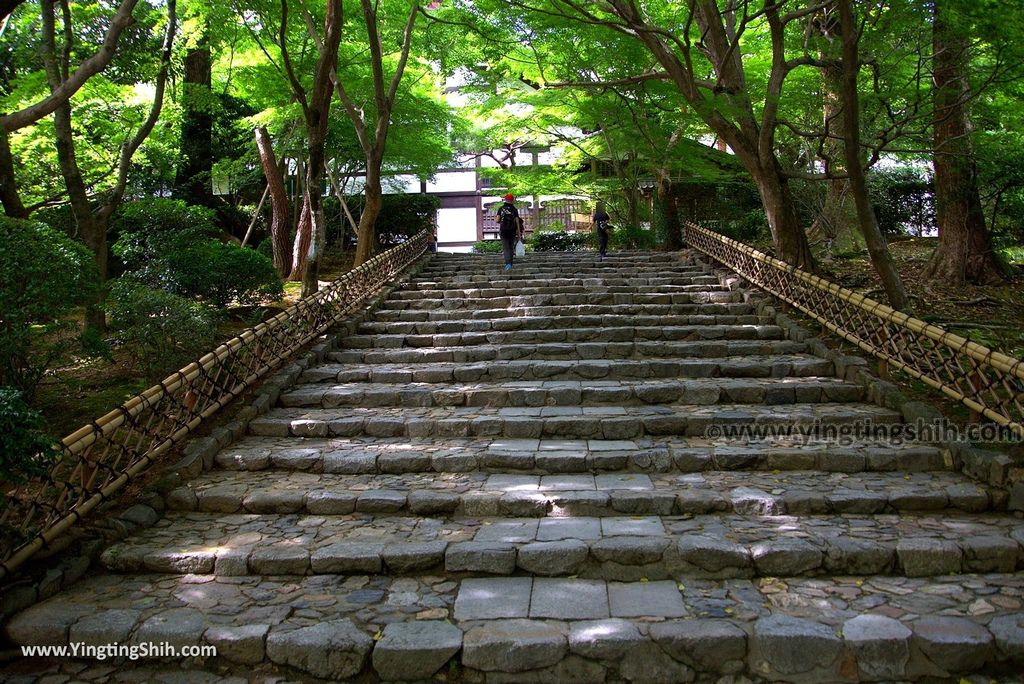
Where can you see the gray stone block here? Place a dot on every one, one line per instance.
(707, 645)
(714, 554)
(569, 599)
(603, 639)
(645, 599)
(783, 645)
(495, 558)
(335, 649)
(105, 627)
(413, 556)
(347, 557)
(410, 651)
(880, 644)
(486, 599)
(238, 643)
(564, 557)
(928, 557)
(179, 627)
(954, 644)
(629, 550)
(1008, 631)
(513, 646)
(785, 557)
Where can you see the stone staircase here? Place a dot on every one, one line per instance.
(549, 475)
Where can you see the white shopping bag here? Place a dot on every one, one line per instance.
(520, 249)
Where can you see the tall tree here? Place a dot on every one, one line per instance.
(315, 103)
(373, 136)
(68, 84)
(280, 219)
(965, 252)
(194, 178)
(877, 248)
(92, 220)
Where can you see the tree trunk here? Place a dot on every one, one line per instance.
(787, 234)
(280, 222)
(965, 252)
(194, 181)
(373, 201)
(877, 248)
(667, 213)
(836, 225)
(9, 196)
(301, 243)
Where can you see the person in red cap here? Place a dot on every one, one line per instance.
(509, 229)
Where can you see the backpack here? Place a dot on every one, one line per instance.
(507, 218)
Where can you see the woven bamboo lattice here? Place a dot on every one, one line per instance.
(987, 381)
(101, 458)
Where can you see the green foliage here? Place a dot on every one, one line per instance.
(487, 247)
(748, 228)
(26, 450)
(560, 241)
(160, 331)
(631, 237)
(220, 274)
(166, 245)
(401, 216)
(903, 199)
(148, 230)
(43, 276)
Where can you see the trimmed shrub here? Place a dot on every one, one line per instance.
(487, 247)
(160, 331)
(560, 241)
(26, 450)
(150, 229)
(43, 276)
(631, 237)
(401, 216)
(222, 273)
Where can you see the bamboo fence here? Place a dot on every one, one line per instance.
(98, 460)
(990, 383)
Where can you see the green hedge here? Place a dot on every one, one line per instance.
(560, 241)
(43, 276)
(487, 247)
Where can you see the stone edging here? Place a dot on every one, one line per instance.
(51, 577)
(998, 470)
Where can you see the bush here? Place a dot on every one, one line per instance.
(401, 216)
(222, 273)
(160, 331)
(26, 450)
(43, 276)
(560, 241)
(749, 228)
(149, 230)
(904, 201)
(487, 247)
(631, 237)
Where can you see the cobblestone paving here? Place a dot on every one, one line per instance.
(542, 475)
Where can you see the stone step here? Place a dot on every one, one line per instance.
(549, 629)
(777, 366)
(474, 493)
(567, 335)
(580, 422)
(421, 283)
(568, 351)
(385, 314)
(391, 455)
(622, 548)
(585, 269)
(512, 323)
(568, 299)
(575, 393)
(495, 291)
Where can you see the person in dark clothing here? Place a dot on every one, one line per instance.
(601, 219)
(508, 229)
